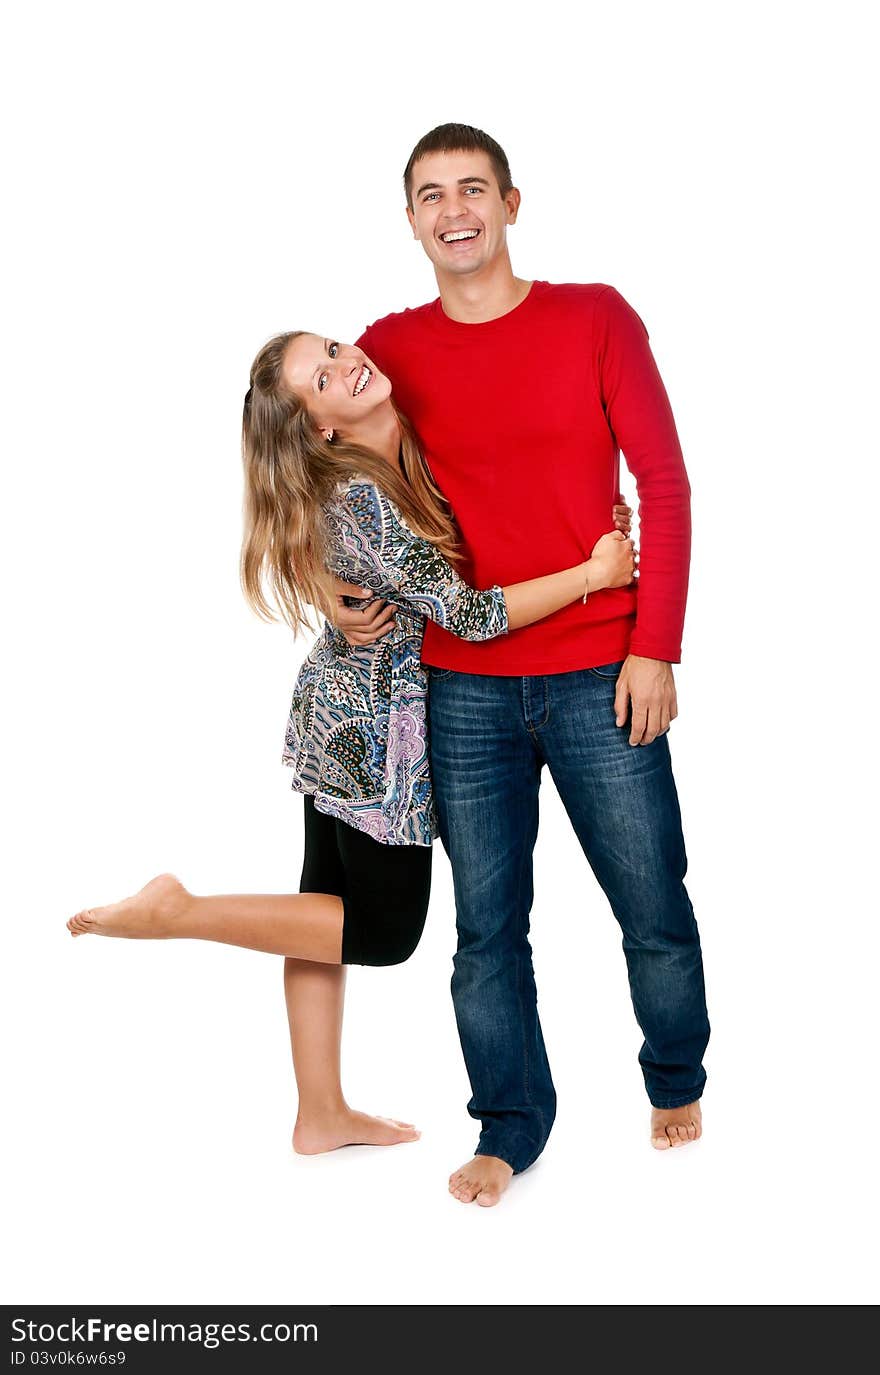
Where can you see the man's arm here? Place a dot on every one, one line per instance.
(640, 416)
(364, 625)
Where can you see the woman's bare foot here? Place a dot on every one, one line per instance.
(675, 1126)
(482, 1179)
(349, 1128)
(149, 915)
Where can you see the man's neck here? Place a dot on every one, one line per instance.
(494, 291)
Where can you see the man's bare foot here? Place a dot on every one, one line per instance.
(482, 1179)
(350, 1128)
(675, 1126)
(149, 915)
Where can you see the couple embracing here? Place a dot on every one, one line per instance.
(446, 492)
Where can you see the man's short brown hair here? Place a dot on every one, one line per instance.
(459, 138)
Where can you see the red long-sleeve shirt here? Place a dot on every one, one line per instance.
(522, 420)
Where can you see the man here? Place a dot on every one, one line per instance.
(523, 394)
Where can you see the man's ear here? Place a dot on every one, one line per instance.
(412, 222)
(512, 201)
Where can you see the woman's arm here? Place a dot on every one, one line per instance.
(611, 564)
(376, 620)
(387, 557)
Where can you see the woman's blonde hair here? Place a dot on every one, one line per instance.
(290, 471)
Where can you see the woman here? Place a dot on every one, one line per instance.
(336, 487)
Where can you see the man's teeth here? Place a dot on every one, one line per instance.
(460, 234)
(362, 380)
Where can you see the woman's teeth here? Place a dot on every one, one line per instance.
(363, 381)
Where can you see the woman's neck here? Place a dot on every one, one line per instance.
(380, 431)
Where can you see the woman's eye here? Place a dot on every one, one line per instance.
(333, 349)
(322, 381)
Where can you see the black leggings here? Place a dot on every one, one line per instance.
(384, 888)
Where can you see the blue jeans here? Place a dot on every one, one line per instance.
(490, 737)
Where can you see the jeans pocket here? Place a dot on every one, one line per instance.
(435, 673)
(608, 670)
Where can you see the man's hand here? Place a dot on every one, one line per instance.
(650, 685)
(362, 627)
(623, 518)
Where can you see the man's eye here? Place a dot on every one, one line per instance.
(478, 189)
(429, 196)
(322, 381)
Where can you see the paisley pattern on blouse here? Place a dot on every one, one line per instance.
(357, 731)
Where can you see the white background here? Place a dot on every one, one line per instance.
(183, 181)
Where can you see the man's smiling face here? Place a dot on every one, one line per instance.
(458, 213)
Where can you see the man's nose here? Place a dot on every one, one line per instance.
(454, 211)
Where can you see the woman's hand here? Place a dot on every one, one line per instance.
(612, 562)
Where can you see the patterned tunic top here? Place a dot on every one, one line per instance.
(357, 731)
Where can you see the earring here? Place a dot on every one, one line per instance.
(329, 437)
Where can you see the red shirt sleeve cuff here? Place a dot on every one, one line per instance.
(645, 649)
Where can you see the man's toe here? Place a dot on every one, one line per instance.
(487, 1198)
(460, 1187)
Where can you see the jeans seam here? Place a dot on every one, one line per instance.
(534, 726)
(520, 974)
(519, 987)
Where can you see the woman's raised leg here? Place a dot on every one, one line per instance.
(303, 925)
(315, 995)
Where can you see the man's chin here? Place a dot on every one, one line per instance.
(463, 269)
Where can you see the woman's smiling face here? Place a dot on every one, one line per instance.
(338, 383)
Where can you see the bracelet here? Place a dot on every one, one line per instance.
(586, 590)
